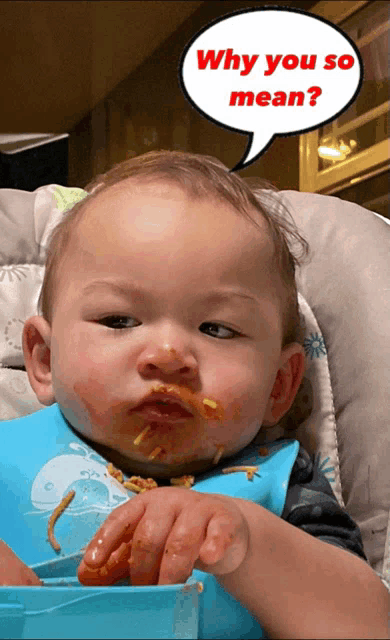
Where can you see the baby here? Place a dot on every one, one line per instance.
(169, 335)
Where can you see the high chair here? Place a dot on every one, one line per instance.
(340, 413)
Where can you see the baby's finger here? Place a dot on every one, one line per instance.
(184, 543)
(219, 537)
(118, 527)
(148, 543)
(116, 568)
(225, 544)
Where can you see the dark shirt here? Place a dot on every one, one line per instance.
(312, 506)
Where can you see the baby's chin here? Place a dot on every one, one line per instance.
(174, 465)
(163, 469)
(166, 472)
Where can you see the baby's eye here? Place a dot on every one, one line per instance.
(218, 330)
(119, 322)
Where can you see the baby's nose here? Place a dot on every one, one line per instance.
(168, 361)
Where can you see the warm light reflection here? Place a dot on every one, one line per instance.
(331, 148)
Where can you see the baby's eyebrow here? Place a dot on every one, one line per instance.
(122, 289)
(211, 298)
(227, 296)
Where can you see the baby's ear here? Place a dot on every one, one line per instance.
(36, 350)
(287, 382)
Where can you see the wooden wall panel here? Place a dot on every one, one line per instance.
(59, 59)
(148, 111)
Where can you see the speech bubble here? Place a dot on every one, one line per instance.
(270, 71)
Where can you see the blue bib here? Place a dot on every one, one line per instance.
(41, 460)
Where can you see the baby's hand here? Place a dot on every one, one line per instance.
(13, 572)
(160, 536)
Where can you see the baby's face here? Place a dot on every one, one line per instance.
(162, 292)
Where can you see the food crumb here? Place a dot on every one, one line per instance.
(115, 473)
(135, 483)
(140, 484)
(183, 481)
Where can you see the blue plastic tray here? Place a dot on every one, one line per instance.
(99, 612)
(62, 608)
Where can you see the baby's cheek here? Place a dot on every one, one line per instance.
(102, 409)
(235, 410)
(243, 415)
(93, 397)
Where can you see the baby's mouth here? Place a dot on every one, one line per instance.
(170, 414)
(166, 405)
(162, 414)
(163, 411)
(175, 403)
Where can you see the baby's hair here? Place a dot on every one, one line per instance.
(201, 177)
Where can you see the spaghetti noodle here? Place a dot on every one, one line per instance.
(135, 483)
(218, 455)
(115, 473)
(139, 484)
(65, 502)
(249, 470)
(141, 436)
(155, 453)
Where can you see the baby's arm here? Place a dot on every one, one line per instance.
(295, 584)
(301, 587)
(13, 572)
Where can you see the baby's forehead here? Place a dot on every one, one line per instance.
(137, 194)
(120, 224)
(235, 252)
(160, 214)
(167, 216)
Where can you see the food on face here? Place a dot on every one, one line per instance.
(208, 408)
(13, 572)
(212, 409)
(155, 453)
(249, 470)
(141, 436)
(183, 481)
(65, 502)
(263, 451)
(218, 455)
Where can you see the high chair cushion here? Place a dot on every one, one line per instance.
(340, 411)
(346, 284)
